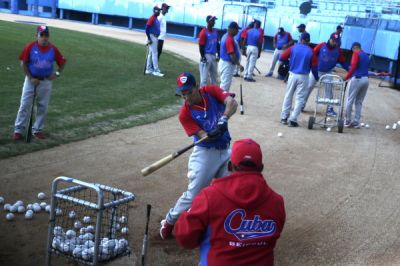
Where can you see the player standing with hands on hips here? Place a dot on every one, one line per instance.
(205, 113)
(37, 59)
(238, 218)
(209, 51)
(152, 33)
(358, 75)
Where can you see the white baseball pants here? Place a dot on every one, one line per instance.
(43, 92)
(204, 165)
(252, 54)
(297, 83)
(209, 71)
(152, 57)
(357, 91)
(225, 69)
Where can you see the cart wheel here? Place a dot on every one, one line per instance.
(340, 125)
(311, 121)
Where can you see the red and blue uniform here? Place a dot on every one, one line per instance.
(228, 46)
(359, 65)
(254, 37)
(209, 39)
(205, 117)
(326, 57)
(153, 26)
(300, 58)
(237, 220)
(40, 59)
(282, 39)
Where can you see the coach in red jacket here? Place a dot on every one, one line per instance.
(238, 218)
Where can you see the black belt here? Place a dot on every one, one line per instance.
(39, 78)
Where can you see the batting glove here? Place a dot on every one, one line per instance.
(203, 60)
(222, 124)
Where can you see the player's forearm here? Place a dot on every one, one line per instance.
(26, 70)
(230, 106)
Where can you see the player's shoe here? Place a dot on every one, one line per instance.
(39, 135)
(250, 80)
(158, 74)
(284, 121)
(347, 123)
(148, 72)
(166, 229)
(269, 74)
(293, 124)
(355, 124)
(331, 112)
(17, 136)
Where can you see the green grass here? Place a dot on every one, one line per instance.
(102, 88)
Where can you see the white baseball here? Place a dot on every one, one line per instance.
(48, 208)
(85, 254)
(366, 126)
(124, 230)
(90, 229)
(7, 206)
(36, 207)
(29, 207)
(21, 209)
(123, 243)
(58, 212)
(124, 219)
(10, 216)
(398, 122)
(78, 225)
(394, 126)
(86, 219)
(70, 234)
(88, 236)
(29, 214)
(362, 124)
(77, 252)
(19, 203)
(1, 200)
(41, 196)
(43, 205)
(72, 215)
(280, 134)
(13, 208)
(88, 244)
(328, 129)
(58, 231)
(83, 230)
(387, 127)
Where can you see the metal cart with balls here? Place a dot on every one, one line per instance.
(330, 93)
(88, 222)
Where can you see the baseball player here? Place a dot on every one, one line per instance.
(230, 54)
(282, 40)
(239, 38)
(238, 219)
(209, 51)
(37, 60)
(338, 35)
(253, 38)
(301, 28)
(300, 65)
(205, 113)
(163, 28)
(358, 75)
(325, 57)
(152, 33)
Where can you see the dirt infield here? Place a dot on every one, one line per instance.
(341, 190)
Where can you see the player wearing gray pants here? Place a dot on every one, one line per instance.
(358, 84)
(252, 55)
(297, 83)
(357, 91)
(43, 92)
(209, 70)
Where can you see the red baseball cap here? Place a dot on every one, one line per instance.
(246, 154)
(42, 29)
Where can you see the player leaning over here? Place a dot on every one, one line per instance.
(205, 113)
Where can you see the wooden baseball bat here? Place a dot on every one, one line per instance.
(146, 236)
(160, 163)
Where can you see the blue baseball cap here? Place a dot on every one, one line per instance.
(208, 18)
(305, 36)
(185, 82)
(233, 25)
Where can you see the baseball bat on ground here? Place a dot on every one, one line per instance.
(28, 136)
(160, 163)
(241, 96)
(259, 72)
(146, 236)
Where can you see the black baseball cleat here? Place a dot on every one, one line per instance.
(284, 121)
(236, 75)
(250, 80)
(293, 124)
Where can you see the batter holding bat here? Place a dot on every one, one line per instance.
(37, 59)
(205, 113)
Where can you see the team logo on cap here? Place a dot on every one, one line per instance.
(42, 28)
(182, 80)
(248, 229)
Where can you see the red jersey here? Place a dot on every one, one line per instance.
(185, 116)
(236, 221)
